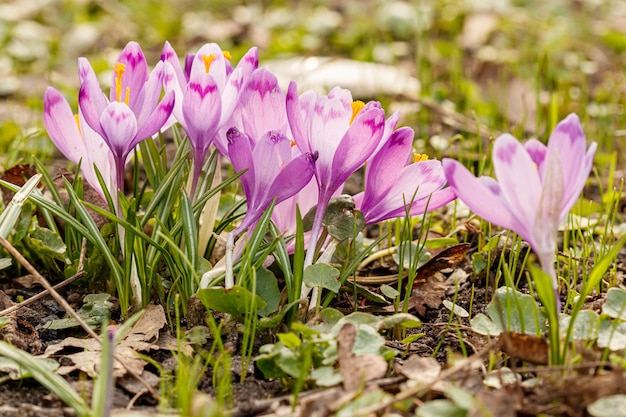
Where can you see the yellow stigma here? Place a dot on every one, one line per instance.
(357, 106)
(76, 117)
(207, 59)
(417, 157)
(227, 55)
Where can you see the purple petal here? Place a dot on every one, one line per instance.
(292, 178)
(569, 142)
(151, 91)
(61, 126)
(357, 144)
(168, 54)
(436, 200)
(92, 102)
(416, 182)
(202, 107)
(295, 117)
(120, 127)
(134, 76)
(270, 154)
(262, 104)
(537, 152)
(157, 119)
(240, 154)
(217, 67)
(518, 178)
(385, 166)
(482, 199)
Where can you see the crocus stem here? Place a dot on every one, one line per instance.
(229, 281)
(197, 170)
(315, 234)
(120, 165)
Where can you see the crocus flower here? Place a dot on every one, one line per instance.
(207, 92)
(344, 133)
(78, 142)
(133, 111)
(391, 183)
(536, 188)
(272, 173)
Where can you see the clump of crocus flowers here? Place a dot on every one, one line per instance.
(301, 147)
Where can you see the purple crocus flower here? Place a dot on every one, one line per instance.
(536, 188)
(272, 173)
(133, 111)
(78, 142)
(207, 92)
(391, 183)
(343, 132)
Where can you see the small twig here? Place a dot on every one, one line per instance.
(42, 294)
(65, 305)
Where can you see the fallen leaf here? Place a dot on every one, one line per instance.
(525, 347)
(143, 336)
(356, 370)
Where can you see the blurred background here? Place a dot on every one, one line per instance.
(460, 71)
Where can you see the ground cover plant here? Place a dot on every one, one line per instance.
(312, 208)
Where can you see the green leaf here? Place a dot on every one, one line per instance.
(326, 376)
(47, 243)
(440, 408)
(519, 312)
(612, 334)
(615, 305)
(53, 382)
(322, 275)
(11, 213)
(267, 289)
(611, 406)
(404, 319)
(365, 400)
(482, 324)
(458, 310)
(585, 325)
(389, 291)
(235, 301)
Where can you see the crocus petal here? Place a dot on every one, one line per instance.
(416, 182)
(237, 80)
(271, 152)
(385, 166)
(436, 200)
(292, 178)
(360, 140)
(135, 74)
(201, 112)
(61, 126)
(569, 143)
(518, 177)
(168, 54)
(157, 118)
(92, 102)
(151, 91)
(120, 127)
(296, 118)
(262, 104)
(480, 198)
(549, 209)
(240, 152)
(537, 152)
(217, 67)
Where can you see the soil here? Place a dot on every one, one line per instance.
(443, 339)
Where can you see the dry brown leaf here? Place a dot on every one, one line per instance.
(141, 337)
(496, 403)
(356, 370)
(525, 347)
(424, 370)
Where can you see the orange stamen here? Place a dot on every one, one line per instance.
(420, 157)
(119, 72)
(357, 106)
(227, 55)
(76, 117)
